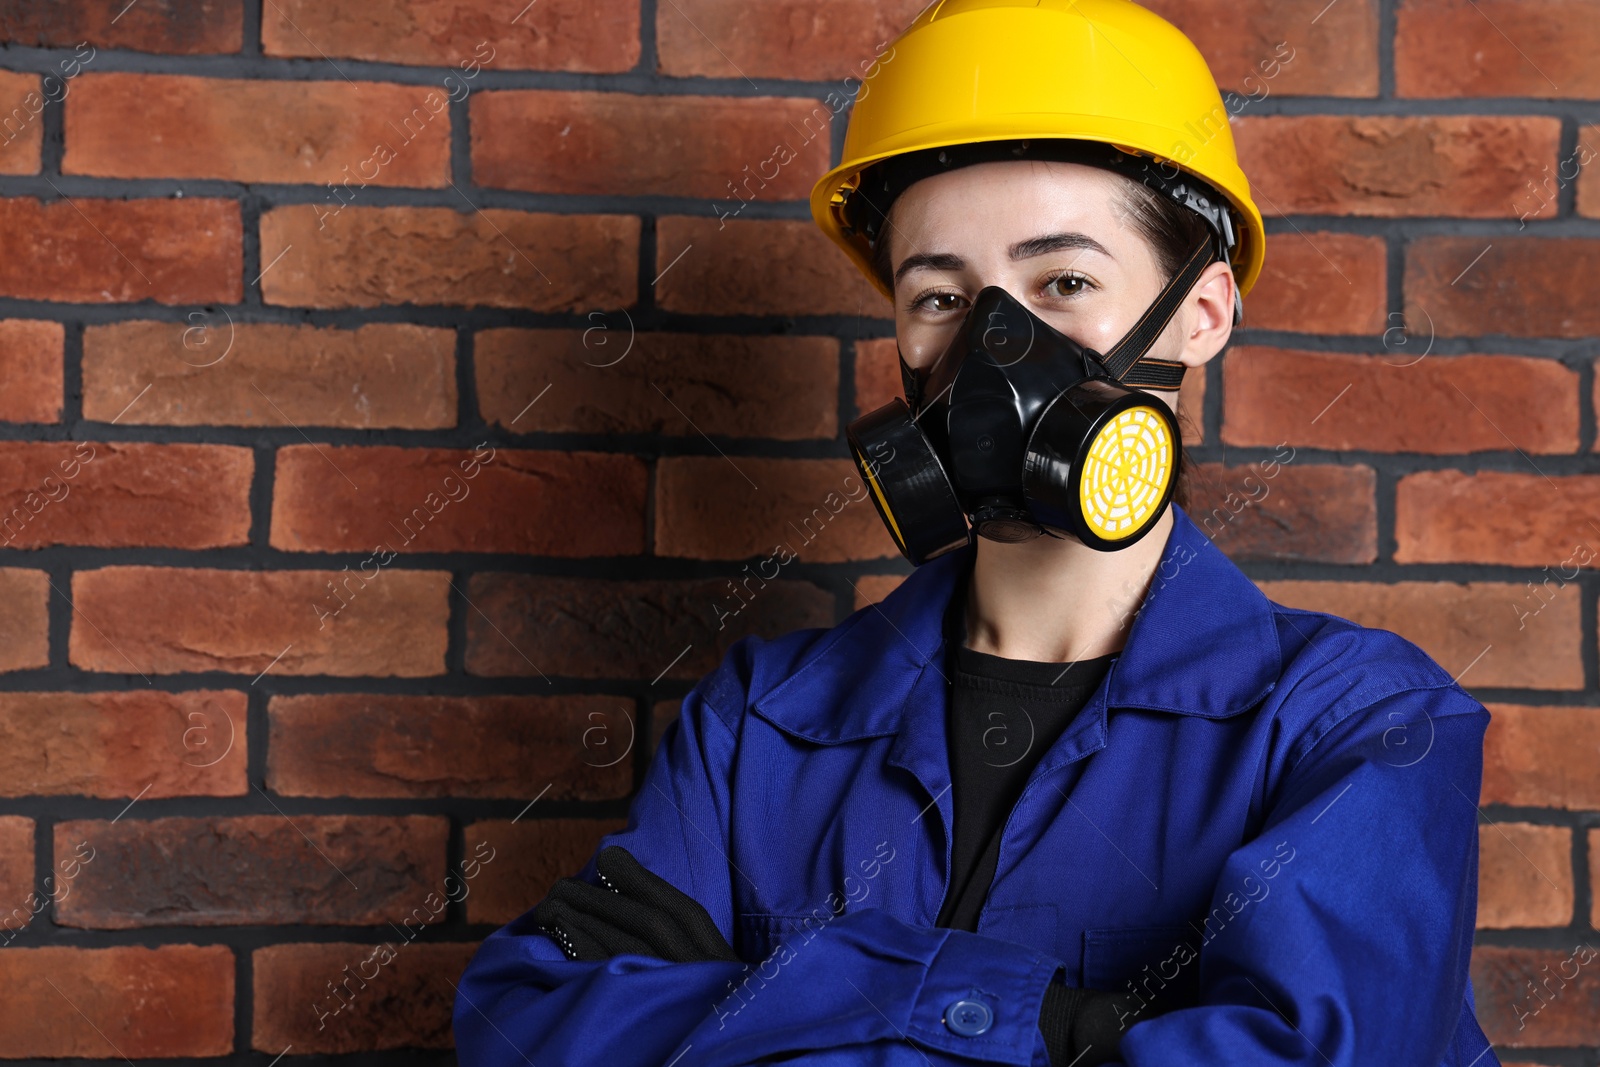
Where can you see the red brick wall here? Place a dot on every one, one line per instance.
(393, 393)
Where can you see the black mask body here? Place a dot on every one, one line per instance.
(1019, 431)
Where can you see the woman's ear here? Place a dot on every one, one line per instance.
(1208, 315)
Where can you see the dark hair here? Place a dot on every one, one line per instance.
(1170, 229)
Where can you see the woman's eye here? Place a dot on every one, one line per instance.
(931, 301)
(1066, 285)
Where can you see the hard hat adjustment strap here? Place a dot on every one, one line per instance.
(1126, 361)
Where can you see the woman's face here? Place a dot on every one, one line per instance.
(1057, 238)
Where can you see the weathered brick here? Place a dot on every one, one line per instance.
(1538, 998)
(748, 267)
(1461, 625)
(807, 40)
(1542, 757)
(178, 27)
(331, 869)
(392, 995)
(466, 34)
(118, 494)
(713, 507)
(122, 251)
(142, 742)
(872, 588)
(30, 365)
(522, 860)
(1540, 48)
(350, 134)
(608, 381)
(1393, 165)
(1397, 402)
(730, 149)
(1513, 286)
(1539, 204)
(17, 902)
(369, 256)
(1328, 283)
(107, 1003)
(167, 619)
(525, 624)
(361, 745)
(22, 101)
(220, 373)
(1277, 509)
(1522, 520)
(445, 500)
(1524, 875)
(1327, 50)
(24, 619)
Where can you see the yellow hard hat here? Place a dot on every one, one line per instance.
(968, 72)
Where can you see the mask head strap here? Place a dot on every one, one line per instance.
(1126, 361)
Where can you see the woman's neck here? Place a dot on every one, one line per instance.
(1056, 600)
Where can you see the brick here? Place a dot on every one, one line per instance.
(1396, 402)
(872, 588)
(526, 624)
(1594, 876)
(396, 994)
(108, 1003)
(330, 869)
(124, 125)
(22, 102)
(89, 251)
(177, 27)
(1327, 283)
(24, 619)
(1461, 625)
(142, 742)
(370, 745)
(221, 373)
(166, 620)
(1511, 286)
(121, 494)
(446, 500)
(523, 860)
(1327, 51)
(748, 267)
(1542, 48)
(1524, 876)
(1277, 509)
(371, 256)
(1500, 517)
(820, 40)
(31, 366)
(1538, 998)
(815, 509)
(663, 713)
(1392, 165)
(730, 149)
(555, 35)
(1588, 199)
(678, 384)
(17, 902)
(1541, 757)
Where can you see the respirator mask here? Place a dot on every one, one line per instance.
(1017, 430)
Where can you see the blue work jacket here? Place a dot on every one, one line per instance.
(1262, 826)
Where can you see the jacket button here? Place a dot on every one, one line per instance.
(968, 1018)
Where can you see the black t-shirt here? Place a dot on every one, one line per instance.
(1004, 715)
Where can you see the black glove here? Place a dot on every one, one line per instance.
(1082, 1027)
(637, 912)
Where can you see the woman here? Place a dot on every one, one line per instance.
(1076, 792)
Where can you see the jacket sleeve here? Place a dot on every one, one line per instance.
(864, 988)
(1342, 934)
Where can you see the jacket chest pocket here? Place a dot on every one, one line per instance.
(758, 935)
(1160, 964)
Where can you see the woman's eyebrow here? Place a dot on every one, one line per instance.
(1033, 246)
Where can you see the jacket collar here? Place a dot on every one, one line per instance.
(1203, 643)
